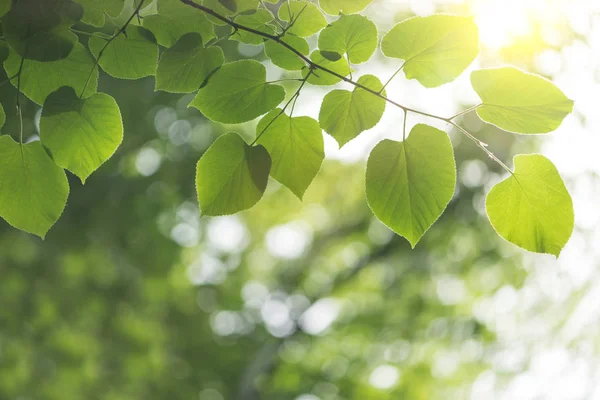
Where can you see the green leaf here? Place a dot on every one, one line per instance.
(175, 19)
(5, 6)
(184, 67)
(322, 78)
(231, 176)
(33, 190)
(81, 134)
(237, 93)
(39, 30)
(532, 208)
(354, 35)
(283, 57)
(295, 146)
(131, 56)
(519, 102)
(435, 49)
(94, 10)
(344, 114)
(307, 17)
(410, 183)
(258, 20)
(39, 79)
(335, 7)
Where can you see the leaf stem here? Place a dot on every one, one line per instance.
(392, 77)
(99, 35)
(466, 111)
(9, 79)
(277, 21)
(293, 18)
(404, 126)
(109, 41)
(481, 145)
(19, 101)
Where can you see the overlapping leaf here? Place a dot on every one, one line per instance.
(354, 35)
(259, 20)
(532, 208)
(295, 145)
(39, 30)
(344, 114)
(238, 92)
(231, 176)
(435, 49)
(175, 19)
(283, 57)
(129, 56)
(322, 78)
(410, 183)
(306, 17)
(184, 67)
(95, 10)
(81, 134)
(39, 79)
(519, 102)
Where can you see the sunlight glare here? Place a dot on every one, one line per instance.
(501, 22)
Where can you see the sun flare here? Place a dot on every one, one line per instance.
(503, 23)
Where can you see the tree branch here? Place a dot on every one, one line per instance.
(307, 60)
(314, 66)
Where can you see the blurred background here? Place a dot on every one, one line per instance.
(134, 296)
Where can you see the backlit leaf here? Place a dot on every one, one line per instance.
(295, 146)
(307, 17)
(344, 114)
(532, 208)
(519, 102)
(81, 134)
(33, 189)
(237, 93)
(231, 176)
(354, 35)
(320, 77)
(39, 79)
(175, 19)
(259, 20)
(94, 10)
(435, 49)
(184, 67)
(283, 57)
(128, 57)
(410, 183)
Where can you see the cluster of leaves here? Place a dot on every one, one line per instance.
(408, 183)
